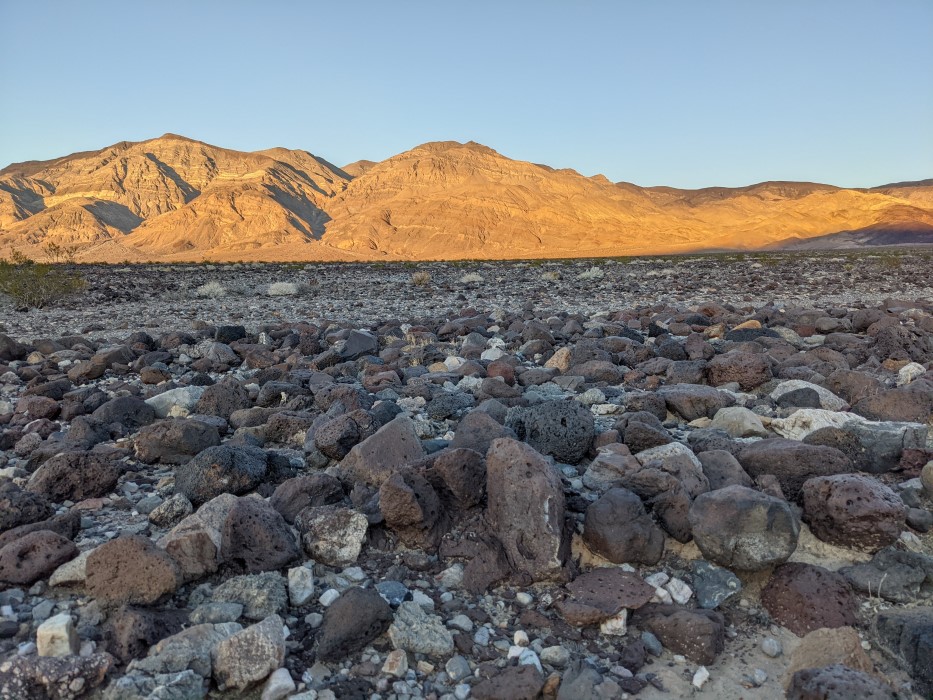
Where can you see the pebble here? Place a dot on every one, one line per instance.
(328, 597)
(700, 677)
(772, 647)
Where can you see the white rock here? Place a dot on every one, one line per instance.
(521, 638)
(300, 585)
(772, 647)
(669, 450)
(176, 403)
(71, 572)
(328, 597)
(657, 580)
(662, 596)
(555, 656)
(738, 422)
(828, 399)
(491, 354)
(804, 421)
(909, 372)
(396, 663)
(453, 362)
(278, 686)
(679, 590)
(523, 598)
(700, 677)
(451, 577)
(57, 636)
(615, 625)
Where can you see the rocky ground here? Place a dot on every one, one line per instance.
(703, 476)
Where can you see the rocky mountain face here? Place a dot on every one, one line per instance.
(173, 198)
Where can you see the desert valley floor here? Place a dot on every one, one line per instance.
(700, 476)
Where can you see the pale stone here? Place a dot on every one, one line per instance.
(57, 636)
(71, 572)
(300, 585)
(616, 625)
(909, 372)
(396, 663)
(279, 685)
(700, 677)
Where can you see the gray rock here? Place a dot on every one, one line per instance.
(261, 595)
(893, 574)
(235, 469)
(618, 528)
(562, 429)
(712, 584)
(416, 631)
(250, 655)
(351, 622)
(908, 636)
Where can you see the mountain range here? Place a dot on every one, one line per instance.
(177, 199)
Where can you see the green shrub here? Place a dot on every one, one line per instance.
(31, 284)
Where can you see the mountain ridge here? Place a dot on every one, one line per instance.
(176, 198)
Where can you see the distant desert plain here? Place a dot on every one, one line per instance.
(176, 199)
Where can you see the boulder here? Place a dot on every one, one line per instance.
(618, 528)
(351, 622)
(256, 538)
(131, 569)
(235, 469)
(561, 429)
(373, 460)
(75, 476)
(697, 634)
(803, 598)
(792, 462)
(250, 655)
(34, 556)
(332, 535)
(907, 634)
(174, 440)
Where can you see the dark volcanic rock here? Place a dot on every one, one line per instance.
(853, 510)
(19, 507)
(34, 556)
(562, 429)
(296, 494)
(222, 469)
(804, 598)
(837, 682)
(792, 462)
(256, 537)
(174, 440)
(697, 634)
(74, 476)
(618, 528)
(356, 618)
(908, 636)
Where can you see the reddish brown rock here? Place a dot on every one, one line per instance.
(747, 369)
(412, 509)
(697, 634)
(792, 462)
(256, 537)
(174, 440)
(853, 510)
(296, 494)
(526, 509)
(618, 528)
(74, 476)
(34, 556)
(132, 570)
(511, 683)
(802, 598)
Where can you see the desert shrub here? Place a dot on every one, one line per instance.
(36, 285)
(472, 277)
(421, 278)
(551, 275)
(594, 273)
(282, 289)
(57, 253)
(211, 290)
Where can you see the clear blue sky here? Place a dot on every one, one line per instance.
(687, 93)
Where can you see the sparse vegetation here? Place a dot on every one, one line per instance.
(593, 273)
(421, 278)
(57, 253)
(282, 289)
(551, 275)
(36, 285)
(472, 278)
(211, 290)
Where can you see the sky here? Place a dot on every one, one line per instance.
(686, 94)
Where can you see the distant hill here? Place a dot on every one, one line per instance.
(172, 198)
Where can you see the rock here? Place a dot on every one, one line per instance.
(131, 632)
(416, 631)
(172, 510)
(511, 683)
(601, 594)
(583, 682)
(413, 510)
(476, 431)
(56, 678)
(174, 441)
(74, 476)
(351, 622)
(738, 422)
(187, 650)
(827, 399)
(722, 469)
(128, 412)
(826, 647)
(740, 528)
(373, 460)
(912, 403)
(19, 507)
(692, 401)
(11, 350)
(332, 535)
(131, 569)
(296, 494)
(261, 595)
(714, 585)
(679, 460)
(57, 636)
(791, 462)
(618, 528)
(803, 598)
(837, 682)
(300, 585)
(250, 655)
(853, 510)
(256, 538)
(611, 465)
(279, 685)
(895, 575)
(176, 403)
(34, 556)
(747, 369)
(907, 634)
(562, 429)
(195, 543)
(520, 482)
(699, 635)
(639, 436)
(463, 473)
(232, 469)
(926, 477)
(71, 572)
(222, 399)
